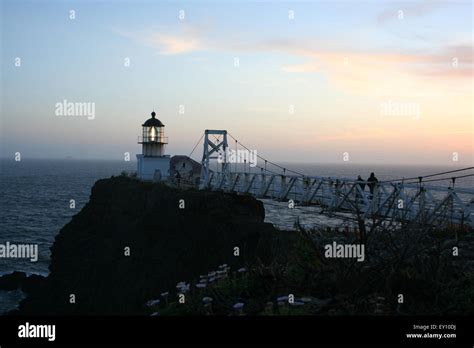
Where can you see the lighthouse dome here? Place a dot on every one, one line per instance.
(153, 121)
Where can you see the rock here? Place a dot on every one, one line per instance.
(12, 281)
(166, 244)
(19, 280)
(33, 283)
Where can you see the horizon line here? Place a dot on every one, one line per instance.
(281, 162)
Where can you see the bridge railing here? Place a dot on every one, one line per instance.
(400, 201)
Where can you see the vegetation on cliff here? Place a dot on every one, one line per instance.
(414, 262)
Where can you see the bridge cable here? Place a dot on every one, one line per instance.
(442, 179)
(429, 175)
(266, 160)
(194, 148)
(419, 178)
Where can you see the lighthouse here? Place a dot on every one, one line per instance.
(152, 163)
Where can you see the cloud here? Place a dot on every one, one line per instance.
(463, 53)
(170, 45)
(409, 10)
(443, 59)
(381, 73)
(359, 72)
(184, 41)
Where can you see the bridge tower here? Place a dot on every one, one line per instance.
(214, 149)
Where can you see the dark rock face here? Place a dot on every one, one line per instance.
(12, 281)
(167, 245)
(19, 280)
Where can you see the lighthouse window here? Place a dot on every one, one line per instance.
(153, 134)
(184, 165)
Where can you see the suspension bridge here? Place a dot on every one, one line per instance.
(413, 199)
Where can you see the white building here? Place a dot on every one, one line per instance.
(189, 170)
(152, 163)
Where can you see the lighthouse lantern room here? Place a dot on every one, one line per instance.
(153, 164)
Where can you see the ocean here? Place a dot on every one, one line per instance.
(35, 200)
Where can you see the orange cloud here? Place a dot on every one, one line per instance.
(384, 74)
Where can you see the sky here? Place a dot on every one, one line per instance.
(310, 81)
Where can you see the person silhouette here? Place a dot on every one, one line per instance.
(361, 183)
(372, 183)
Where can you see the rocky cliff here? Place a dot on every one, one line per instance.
(134, 240)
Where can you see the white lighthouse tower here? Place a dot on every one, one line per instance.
(153, 164)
